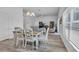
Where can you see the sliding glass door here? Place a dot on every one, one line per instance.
(74, 34)
(71, 26)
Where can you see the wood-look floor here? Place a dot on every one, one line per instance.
(55, 44)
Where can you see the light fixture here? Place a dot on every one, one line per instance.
(30, 14)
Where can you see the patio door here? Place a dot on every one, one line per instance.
(71, 26)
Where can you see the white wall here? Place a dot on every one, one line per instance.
(61, 10)
(28, 20)
(46, 19)
(3, 25)
(10, 18)
(34, 21)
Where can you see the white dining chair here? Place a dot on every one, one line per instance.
(43, 37)
(29, 37)
(19, 38)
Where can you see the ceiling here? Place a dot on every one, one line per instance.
(42, 11)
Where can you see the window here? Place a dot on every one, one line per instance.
(75, 26)
(76, 16)
(74, 34)
(71, 26)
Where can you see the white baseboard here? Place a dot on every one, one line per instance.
(5, 37)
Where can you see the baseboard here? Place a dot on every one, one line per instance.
(6, 37)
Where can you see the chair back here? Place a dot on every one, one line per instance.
(18, 34)
(28, 33)
(18, 29)
(43, 37)
(47, 33)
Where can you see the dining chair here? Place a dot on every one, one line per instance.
(19, 38)
(29, 37)
(43, 37)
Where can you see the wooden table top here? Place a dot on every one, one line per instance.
(35, 33)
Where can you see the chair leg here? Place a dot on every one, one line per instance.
(25, 44)
(16, 44)
(46, 43)
(33, 45)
